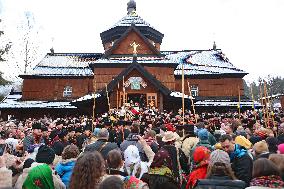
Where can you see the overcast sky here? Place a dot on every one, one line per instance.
(250, 32)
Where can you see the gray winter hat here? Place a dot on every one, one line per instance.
(219, 156)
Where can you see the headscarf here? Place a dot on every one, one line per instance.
(201, 156)
(162, 163)
(39, 177)
(133, 164)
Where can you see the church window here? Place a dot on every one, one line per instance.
(67, 91)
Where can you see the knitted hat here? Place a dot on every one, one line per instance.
(45, 154)
(281, 148)
(203, 134)
(243, 141)
(219, 156)
(260, 147)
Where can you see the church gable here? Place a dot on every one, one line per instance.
(126, 47)
(133, 42)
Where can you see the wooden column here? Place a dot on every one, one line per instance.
(161, 105)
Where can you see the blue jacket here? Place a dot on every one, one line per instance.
(64, 169)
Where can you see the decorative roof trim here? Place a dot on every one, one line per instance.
(144, 72)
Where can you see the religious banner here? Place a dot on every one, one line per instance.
(135, 83)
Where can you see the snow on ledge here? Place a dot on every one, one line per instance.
(14, 101)
(179, 95)
(87, 97)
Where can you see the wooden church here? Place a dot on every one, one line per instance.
(132, 69)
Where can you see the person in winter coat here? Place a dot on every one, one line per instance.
(241, 161)
(132, 139)
(220, 174)
(161, 170)
(115, 168)
(102, 145)
(179, 160)
(200, 159)
(265, 175)
(189, 140)
(65, 167)
(44, 156)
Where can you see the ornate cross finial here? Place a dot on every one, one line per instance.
(134, 45)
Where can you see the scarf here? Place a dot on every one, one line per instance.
(272, 181)
(161, 171)
(39, 177)
(199, 173)
(131, 182)
(238, 152)
(162, 158)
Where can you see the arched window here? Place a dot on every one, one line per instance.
(67, 91)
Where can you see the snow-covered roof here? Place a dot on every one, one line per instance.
(64, 64)
(87, 97)
(226, 103)
(130, 19)
(14, 101)
(195, 62)
(206, 62)
(179, 95)
(273, 96)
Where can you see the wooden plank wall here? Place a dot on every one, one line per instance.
(52, 89)
(214, 87)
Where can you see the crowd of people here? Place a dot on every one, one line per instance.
(149, 149)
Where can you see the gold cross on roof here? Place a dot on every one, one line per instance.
(134, 45)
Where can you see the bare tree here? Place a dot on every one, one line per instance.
(3, 48)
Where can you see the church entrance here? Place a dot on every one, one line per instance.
(137, 99)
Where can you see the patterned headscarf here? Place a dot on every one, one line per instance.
(39, 177)
(162, 163)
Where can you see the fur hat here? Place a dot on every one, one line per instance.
(45, 154)
(219, 156)
(260, 147)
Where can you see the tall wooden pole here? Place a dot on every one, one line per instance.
(117, 96)
(268, 101)
(192, 104)
(265, 101)
(239, 105)
(107, 98)
(182, 88)
(123, 91)
(261, 97)
(252, 98)
(94, 105)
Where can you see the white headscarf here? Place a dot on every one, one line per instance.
(133, 163)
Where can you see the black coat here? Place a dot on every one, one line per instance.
(242, 167)
(220, 182)
(102, 146)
